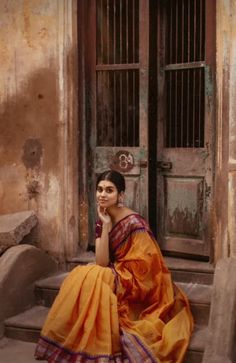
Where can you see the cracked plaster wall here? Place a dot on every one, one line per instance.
(30, 121)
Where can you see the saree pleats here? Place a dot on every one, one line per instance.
(128, 312)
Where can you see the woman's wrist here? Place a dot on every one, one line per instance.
(106, 226)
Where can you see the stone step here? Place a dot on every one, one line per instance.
(47, 289)
(199, 295)
(82, 259)
(184, 270)
(200, 300)
(27, 325)
(16, 351)
(197, 345)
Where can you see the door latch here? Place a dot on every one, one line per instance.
(164, 165)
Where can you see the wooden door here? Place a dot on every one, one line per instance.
(116, 64)
(185, 135)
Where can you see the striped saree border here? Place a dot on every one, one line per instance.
(136, 350)
(55, 353)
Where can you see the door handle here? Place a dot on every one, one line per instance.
(164, 165)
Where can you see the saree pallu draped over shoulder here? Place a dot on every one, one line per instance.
(128, 312)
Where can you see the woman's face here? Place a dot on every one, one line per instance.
(107, 194)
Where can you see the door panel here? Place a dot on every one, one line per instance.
(117, 96)
(185, 138)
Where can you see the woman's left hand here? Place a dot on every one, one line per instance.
(103, 215)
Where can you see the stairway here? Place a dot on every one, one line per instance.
(194, 277)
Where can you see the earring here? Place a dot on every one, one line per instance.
(120, 203)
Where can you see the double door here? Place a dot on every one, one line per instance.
(148, 112)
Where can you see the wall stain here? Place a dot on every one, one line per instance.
(32, 153)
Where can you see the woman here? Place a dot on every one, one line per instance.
(125, 307)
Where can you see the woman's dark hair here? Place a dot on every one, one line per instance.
(113, 176)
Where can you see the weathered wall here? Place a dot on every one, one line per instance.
(225, 244)
(232, 132)
(36, 38)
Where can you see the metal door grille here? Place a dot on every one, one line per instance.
(117, 69)
(185, 108)
(185, 73)
(118, 108)
(186, 31)
(117, 31)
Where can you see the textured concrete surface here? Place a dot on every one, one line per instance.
(14, 227)
(15, 351)
(20, 267)
(220, 343)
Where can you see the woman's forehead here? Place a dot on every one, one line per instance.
(106, 184)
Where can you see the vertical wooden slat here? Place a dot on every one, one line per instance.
(127, 31)
(127, 107)
(114, 35)
(176, 31)
(99, 33)
(183, 19)
(102, 33)
(188, 107)
(169, 108)
(200, 31)
(107, 32)
(200, 108)
(109, 119)
(193, 109)
(182, 110)
(99, 110)
(189, 40)
(121, 108)
(102, 106)
(138, 33)
(114, 106)
(176, 106)
(133, 104)
(195, 31)
(121, 45)
(133, 31)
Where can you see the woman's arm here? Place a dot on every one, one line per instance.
(102, 243)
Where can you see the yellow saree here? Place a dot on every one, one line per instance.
(129, 312)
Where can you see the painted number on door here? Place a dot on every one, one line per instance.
(123, 161)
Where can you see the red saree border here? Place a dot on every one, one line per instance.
(135, 351)
(125, 228)
(123, 219)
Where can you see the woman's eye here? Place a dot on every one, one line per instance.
(109, 190)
